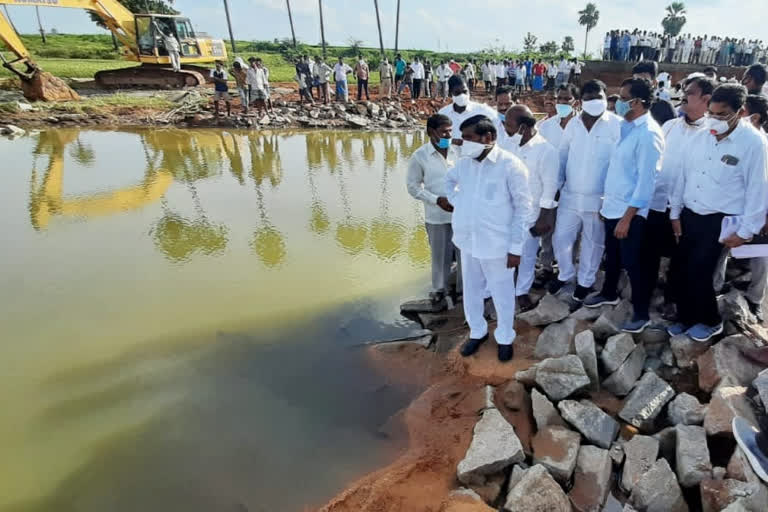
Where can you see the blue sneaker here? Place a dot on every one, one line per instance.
(635, 326)
(675, 329)
(702, 333)
(595, 301)
(747, 437)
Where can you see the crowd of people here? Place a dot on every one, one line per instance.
(637, 45)
(511, 200)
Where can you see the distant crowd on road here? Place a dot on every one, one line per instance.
(637, 45)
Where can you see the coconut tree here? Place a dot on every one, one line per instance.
(397, 25)
(40, 24)
(229, 25)
(675, 19)
(322, 28)
(378, 23)
(290, 20)
(588, 17)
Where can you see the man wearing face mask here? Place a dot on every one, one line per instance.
(724, 173)
(629, 186)
(754, 79)
(425, 181)
(678, 133)
(503, 102)
(756, 113)
(488, 189)
(462, 108)
(542, 161)
(585, 152)
(552, 129)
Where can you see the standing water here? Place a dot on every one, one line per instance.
(180, 309)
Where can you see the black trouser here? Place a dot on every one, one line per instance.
(660, 241)
(362, 84)
(699, 252)
(627, 253)
(416, 89)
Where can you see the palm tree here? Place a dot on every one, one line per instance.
(229, 26)
(40, 24)
(290, 19)
(675, 19)
(397, 25)
(589, 18)
(378, 22)
(322, 27)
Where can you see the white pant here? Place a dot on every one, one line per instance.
(175, 60)
(494, 275)
(567, 227)
(527, 268)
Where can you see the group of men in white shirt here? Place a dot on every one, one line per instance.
(625, 190)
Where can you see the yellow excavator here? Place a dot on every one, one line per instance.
(142, 38)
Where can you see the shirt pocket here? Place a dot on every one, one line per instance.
(725, 175)
(492, 192)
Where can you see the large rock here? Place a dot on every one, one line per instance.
(658, 490)
(641, 453)
(646, 400)
(686, 350)
(594, 424)
(725, 360)
(494, 447)
(667, 438)
(590, 314)
(591, 480)
(692, 458)
(527, 376)
(686, 409)
(537, 492)
(726, 403)
(556, 340)
(616, 351)
(609, 324)
(549, 310)
(422, 306)
(733, 306)
(761, 385)
(759, 500)
(621, 381)
(716, 495)
(490, 491)
(585, 350)
(561, 377)
(12, 131)
(45, 87)
(556, 448)
(544, 412)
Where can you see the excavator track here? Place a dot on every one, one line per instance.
(149, 76)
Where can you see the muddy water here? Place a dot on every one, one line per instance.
(179, 312)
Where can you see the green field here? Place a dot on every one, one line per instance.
(80, 56)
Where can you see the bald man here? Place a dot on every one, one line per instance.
(542, 160)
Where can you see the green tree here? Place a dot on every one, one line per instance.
(568, 45)
(529, 43)
(588, 17)
(141, 6)
(549, 48)
(675, 19)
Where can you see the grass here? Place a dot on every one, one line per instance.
(97, 104)
(75, 68)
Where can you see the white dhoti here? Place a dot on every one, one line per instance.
(492, 274)
(175, 60)
(527, 268)
(442, 250)
(569, 224)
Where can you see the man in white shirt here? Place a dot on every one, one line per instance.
(503, 102)
(489, 191)
(678, 133)
(542, 160)
(469, 72)
(488, 76)
(563, 70)
(256, 81)
(418, 77)
(462, 108)
(725, 173)
(585, 152)
(501, 73)
(171, 46)
(340, 72)
(444, 73)
(425, 180)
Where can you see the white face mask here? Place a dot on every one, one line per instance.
(473, 149)
(595, 108)
(515, 139)
(716, 126)
(462, 100)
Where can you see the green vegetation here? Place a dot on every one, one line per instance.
(80, 56)
(97, 104)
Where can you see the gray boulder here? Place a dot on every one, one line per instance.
(556, 340)
(726, 403)
(644, 403)
(585, 350)
(494, 447)
(686, 409)
(556, 448)
(616, 351)
(549, 310)
(641, 453)
(621, 381)
(686, 350)
(692, 458)
(658, 490)
(537, 492)
(591, 480)
(594, 424)
(544, 412)
(561, 377)
(725, 360)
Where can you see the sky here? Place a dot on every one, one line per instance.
(447, 25)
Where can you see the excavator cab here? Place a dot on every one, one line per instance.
(150, 41)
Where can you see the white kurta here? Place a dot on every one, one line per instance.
(492, 204)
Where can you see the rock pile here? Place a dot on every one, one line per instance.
(623, 422)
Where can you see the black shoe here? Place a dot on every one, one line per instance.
(471, 345)
(724, 290)
(525, 303)
(580, 293)
(506, 352)
(756, 310)
(555, 285)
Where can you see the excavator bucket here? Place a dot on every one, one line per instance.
(43, 86)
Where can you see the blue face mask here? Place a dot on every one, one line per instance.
(444, 143)
(563, 110)
(502, 117)
(622, 107)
